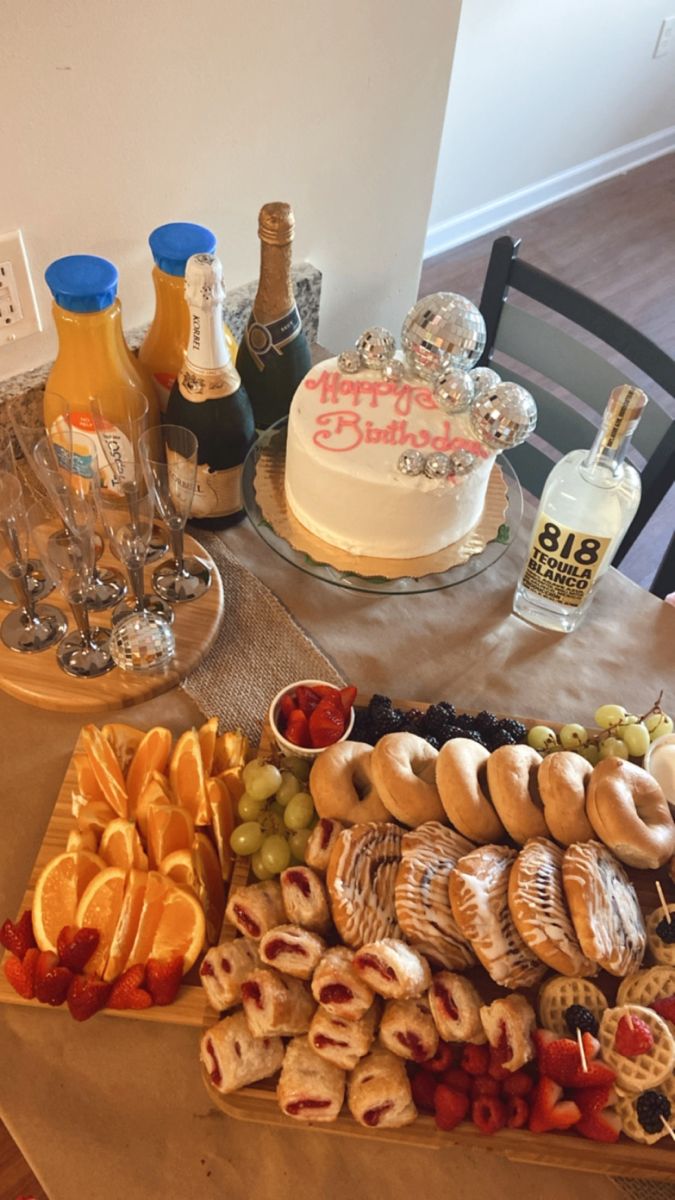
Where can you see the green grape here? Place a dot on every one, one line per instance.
(658, 724)
(275, 854)
(259, 869)
(272, 819)
(248, 808)
(300, 767)
(246, 838)
(613, 747)
(572, 736)
(609, 714)
(635, 738)
(299, 811)
(590, 753)
(251, 769)
(263, 782)
(630, 719)
(289, 786)
(298, 842)
(541, 738)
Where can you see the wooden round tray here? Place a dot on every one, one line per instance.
(37, 678)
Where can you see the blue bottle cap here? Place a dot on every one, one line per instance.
(173, 244)
(82, 282)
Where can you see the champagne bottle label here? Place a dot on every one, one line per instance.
(562, 563)
(265, 340)
(216, 493)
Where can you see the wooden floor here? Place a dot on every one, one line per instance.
(616, 243)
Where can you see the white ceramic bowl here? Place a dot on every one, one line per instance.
(284, 745)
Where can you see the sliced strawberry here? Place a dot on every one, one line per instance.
(51, 980)
(633, 1036)
(423, 1085)
(297, 729)
(475, 1059)
(347, 698)
(559, 1059)
(20, 972)
(286, 706)
(451, 1107)
(548, 1111)
(76, 946)
(127, 990)
(307, 700)
(325, 692)
(598, 1121)
(517, 1112)
(488, 1114)
(87, 996)
(519, 1083)
(665, 1007)
(163, 978)
(457, 1079)
(442, 1059)
(327, 722)
(484, 1085)
(18, 938)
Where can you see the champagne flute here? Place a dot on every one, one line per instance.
(36, 579)
(169, 456)
(30, 629)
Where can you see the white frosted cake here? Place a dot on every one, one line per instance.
(346, 434)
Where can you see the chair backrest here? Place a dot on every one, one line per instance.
(518, 335)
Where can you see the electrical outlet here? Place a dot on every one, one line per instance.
(664, 42)
(19, 314)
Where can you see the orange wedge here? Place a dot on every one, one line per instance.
(121, 846)
(152, 755)
(210, 889)
(106, 769)
(207, 742)
(82, 840)
(181, 926)
(233, 749)
(222, 821)
(186, 776)
(169, 828)
(156, 791)
(58, 891)
(157, 889)
(127, 923)
(234, 783)
(100, 908)
(95, 815)
(180, 868)
(125, 740)
(87, 787)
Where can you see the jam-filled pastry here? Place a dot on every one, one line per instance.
(320, 843)
(509, 1023)
(407, 1029)
(421, 895)
(224, 968)
(378, 1092)
(455, 1006)
(305, 899)
(292, 950)
(234, 1058)
(256, 908)
(309, 1088)
(393, 969)
(276, 1004)
(338, 988)
(342, 1042)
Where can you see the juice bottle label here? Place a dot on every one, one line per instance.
(562, 563)
(79, 446)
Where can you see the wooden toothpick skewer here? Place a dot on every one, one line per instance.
(582, 1052)
(664, 907)
(670, 1129)
(629, 1019)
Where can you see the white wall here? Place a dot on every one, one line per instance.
(546, 97)
(122, 114)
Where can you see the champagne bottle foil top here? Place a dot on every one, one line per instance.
(276, 223)
(204, 281)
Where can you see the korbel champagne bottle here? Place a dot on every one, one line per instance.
(208, 398)
(273, 355)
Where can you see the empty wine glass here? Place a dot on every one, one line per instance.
(31, 628)
(169, 456)
(36, 580)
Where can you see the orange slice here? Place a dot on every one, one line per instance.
(95, 815)
(156, 791)
(125, 740)
(233, 749)
(233, 782)
(181, 926)
(106, 769)
(222, 822)
(180, 868)
(82, 840)
(169, 828)
(99, 908)
(157, 888)
(127, 923)
(87, 788)
(121, 845)
(58, 891)
(152, 755)
(186, 775)
(210, 889)
(207, 742)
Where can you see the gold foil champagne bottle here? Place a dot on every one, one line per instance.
(273, 355)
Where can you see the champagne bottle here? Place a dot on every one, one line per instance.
(273, 355)
(208, 398)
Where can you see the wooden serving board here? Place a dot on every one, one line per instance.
(37, 678)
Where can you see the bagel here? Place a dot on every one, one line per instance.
(341, 784)
(460, 771)
(512, 780)
(562, 780)
(630, 814)
(404, 770)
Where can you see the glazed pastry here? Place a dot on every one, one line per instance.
(338, 988)
(224, 969)
(637, 1072)
(539, 909)
(305, 899)
(256, 908)
(292, 950)
(404, 772)
(342, 785)
(378, 1092)
(605, 911)
(629, 812)
(661, 936)
(511, 1018)
(421, 894)
(360, 879)
(561, 992)
(233, 1058)
(276, 1004)
(309, 1088)
(321, 841)
(562, 779)
(455, 1006)
(512, 781)
(342, 1042)
(461, 779)
(393, 969)
(629, 1108)
(407, 1029)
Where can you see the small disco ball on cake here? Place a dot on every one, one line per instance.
(440, 331)
(503, 416)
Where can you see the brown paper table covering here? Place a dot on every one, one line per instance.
(111, 1108)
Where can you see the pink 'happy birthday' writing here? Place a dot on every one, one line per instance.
(345, 429)
(342, 389)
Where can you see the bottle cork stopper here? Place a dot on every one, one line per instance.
(276, 223)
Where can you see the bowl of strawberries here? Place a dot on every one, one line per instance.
(308, 716)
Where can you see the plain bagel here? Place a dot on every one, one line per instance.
(342, 787)
(512, 780)
(629, 812)
(562, 779)
(460, 770)
(404, 769)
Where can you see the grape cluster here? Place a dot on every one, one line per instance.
(276, 812)
(437, 725)
(622, 734)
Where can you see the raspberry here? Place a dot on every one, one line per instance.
(579, 1017)
(488, 1114)
(518, 1084)
(442, 1059)
(517, 1112)
(665, 1007)
(423, 1086)
(457, 1079)
(633, 1037)
(451, 1107)
(475, 1059)
(650, 1107)
(484, 1085)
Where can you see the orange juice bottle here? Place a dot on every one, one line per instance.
(168, 336)
(93, 359)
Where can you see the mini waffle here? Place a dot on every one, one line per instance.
(661, 950)
(562, 991)
(647, 986)
(626, 1108)
(642, 1071)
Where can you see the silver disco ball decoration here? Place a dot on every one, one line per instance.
(142, 642)
(461, 462)
(453, 390)
(484, 378)
(503, 417)
(349, 362)
(442, 330)
(437, 466)
(377, 347)
(411, 462)
(393, 370)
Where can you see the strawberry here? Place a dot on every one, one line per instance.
(488, 1114)
(327, 722)
(51, 980)
(665, 1007)
(500, 1054)
(442, 1059)
(559, 1059)
(519, 1083)
(457, 1079)
(475, 1059)
(307, 700)
(18, 938)
(347, 698)
(21, 972)
(517, 1112)
(598, 1121)
(87, 996)
(297, 728)
(633, 1036)
(163, 978)
(423, 1085)
(484, 1085)
(286, 706)
(548, 1111)
(451, 1107)
(76, 946)
(127, 990)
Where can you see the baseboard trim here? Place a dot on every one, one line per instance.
(472, 224)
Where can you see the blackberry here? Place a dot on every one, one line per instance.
(436, 717)
(666, 931)
(378, 704)
(650, 1107)
(386, 721)
(464, 721)
(579, 1017)
(486, 722)
(362, 729)
(413, 721)
(433, 742)
(499, 737)
(515, 728)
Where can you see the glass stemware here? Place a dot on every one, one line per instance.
(169, 456)
(31, 628)
(36, 580)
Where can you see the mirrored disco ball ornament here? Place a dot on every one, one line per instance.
(393, 370)
(461, 462)
(142, 642)
(441, 330)
(349, 362)
(377, 347)
(411, 462)
(503, 417)
(437, 466)
(484, 378)
(453, 390)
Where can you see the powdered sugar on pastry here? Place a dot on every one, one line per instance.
(511, 1018)
(309, 1088)
(234, 1058)
(379, 1095)
(393, 969)
(224, 968)
(455, 1006)
(408, 1030)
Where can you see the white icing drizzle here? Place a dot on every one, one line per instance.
(422, 900)
(605, 909)
(361, 878)
(539, 909)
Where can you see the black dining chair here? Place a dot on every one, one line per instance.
(529, 347)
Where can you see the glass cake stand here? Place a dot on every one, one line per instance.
(272, 445)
